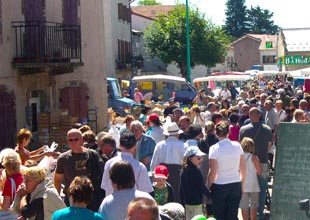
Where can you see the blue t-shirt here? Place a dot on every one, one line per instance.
(75, 213)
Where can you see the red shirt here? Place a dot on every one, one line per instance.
(233, 133)
(7, 189)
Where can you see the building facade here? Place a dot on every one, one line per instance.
(117, 38)
(255, 50)
(294, 49)
(144, 62)
(53, 66)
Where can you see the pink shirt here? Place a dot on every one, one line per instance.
(233, 132)
(138, 97)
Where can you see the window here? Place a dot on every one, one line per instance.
(124, 13)
(229, 61)
(120, 11)
(124, 51)
(127, 13)
(269, 44)
(269, 59)
(124, 8)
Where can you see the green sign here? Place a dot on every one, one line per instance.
(292, 172)
(294, 60)
(268, 45)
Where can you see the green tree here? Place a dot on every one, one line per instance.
(236, 18)
(148, 2)
(166, 39)
(260, 21)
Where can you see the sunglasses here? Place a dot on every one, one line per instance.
(72, 139)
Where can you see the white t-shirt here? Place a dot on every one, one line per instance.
(282, 115)
(143, 182)
(227, 153)
(225, 94)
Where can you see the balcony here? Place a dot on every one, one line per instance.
(46, 45)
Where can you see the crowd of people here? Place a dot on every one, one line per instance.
(207, 162)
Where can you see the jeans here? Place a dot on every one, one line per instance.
(263, 185)
(226, 199)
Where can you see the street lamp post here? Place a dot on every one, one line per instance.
(188, 52)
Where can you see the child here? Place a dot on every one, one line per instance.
(251, 187)
(192, 186)
(163, 192)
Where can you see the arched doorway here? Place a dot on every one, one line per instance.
(37, 103)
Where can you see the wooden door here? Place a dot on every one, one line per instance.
(75, 100)
(7, 120)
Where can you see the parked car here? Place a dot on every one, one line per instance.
(120, 105)
(182, 91)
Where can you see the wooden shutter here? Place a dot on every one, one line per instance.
(34, 10)
(70, 12)
(75, 100)
(7, 120)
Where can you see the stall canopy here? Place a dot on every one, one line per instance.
(223, 78)
(300, 72)
(228, 73)
(158, 77)
(266, 73)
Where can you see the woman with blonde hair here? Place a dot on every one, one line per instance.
(198, 116)
(23, 139)
(280, 111)
(250, 193)
(13, 178)
(298, 116)
(42, 198)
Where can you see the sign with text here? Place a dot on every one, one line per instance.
(292, 172)
(293, 60)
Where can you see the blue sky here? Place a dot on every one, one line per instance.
(287, 13)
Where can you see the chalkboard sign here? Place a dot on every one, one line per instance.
(292, 171)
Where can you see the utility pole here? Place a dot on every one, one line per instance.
(188, 52)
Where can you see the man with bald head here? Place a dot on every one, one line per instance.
(262, 137)
(79, 161)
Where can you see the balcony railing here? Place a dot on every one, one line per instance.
(46, 42)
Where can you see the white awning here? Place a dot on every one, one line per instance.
(158, 77)
(223, 78)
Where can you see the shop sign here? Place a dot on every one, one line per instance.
(294, 60)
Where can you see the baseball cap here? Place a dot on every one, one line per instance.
(171, 99)
(161, 171)
(152, 117)
(193, 150)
